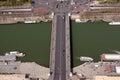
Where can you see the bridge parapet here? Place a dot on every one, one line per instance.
(68, 55)
(52, 50)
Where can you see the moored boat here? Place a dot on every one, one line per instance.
(114, 23)
(84, 58)
(27, 22)
(81, 20)
(16, 53)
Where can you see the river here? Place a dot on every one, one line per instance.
(88, 39)
(31, 39)
(93, 39)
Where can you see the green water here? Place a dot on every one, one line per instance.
(88, 39)
(31, 39)
(93, 39)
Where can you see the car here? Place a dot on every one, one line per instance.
(9, 12)
(63, 50)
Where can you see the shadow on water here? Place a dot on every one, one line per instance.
(71, 44)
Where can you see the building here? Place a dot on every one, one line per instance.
(106, 78)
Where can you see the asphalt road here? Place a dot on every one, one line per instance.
(48, 6)
(60, 56)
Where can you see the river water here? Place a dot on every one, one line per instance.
(88, 39)
(31, 39)
(93, 39)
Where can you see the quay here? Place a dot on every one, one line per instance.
(89, 70)
(10, 65)
(11, 20)
(33, 69)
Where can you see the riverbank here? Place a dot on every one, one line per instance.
(93, 17)
(11, 20)
(89, 70)
(97, 17)
(33, 69)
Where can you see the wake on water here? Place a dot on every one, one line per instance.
(116, 51)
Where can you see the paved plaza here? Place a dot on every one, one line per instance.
(90, 69)
(32, 68)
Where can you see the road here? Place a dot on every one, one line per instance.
(60, 58)
(48, 6)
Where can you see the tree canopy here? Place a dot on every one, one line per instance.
(13, 2)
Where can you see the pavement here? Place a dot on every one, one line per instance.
(12, 77)
(32, 68)
(90, 69)
(60, 58)
(60, 65)
(35, 70)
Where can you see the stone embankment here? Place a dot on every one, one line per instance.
(107, 17)
(10, 20)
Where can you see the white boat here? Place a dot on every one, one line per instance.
(83, 58)
(16, 53)
(81, 20)
(27, 22)
(114, 23)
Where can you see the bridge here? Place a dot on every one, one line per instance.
(60, 59)
(60, 65)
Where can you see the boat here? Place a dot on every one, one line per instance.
(114, 23)
(27, 22)
(81, 20)
(84, 58)
(16, 53)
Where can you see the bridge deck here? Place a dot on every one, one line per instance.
(60, 51)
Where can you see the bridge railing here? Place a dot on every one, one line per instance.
(68, 53)
(52, 50)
